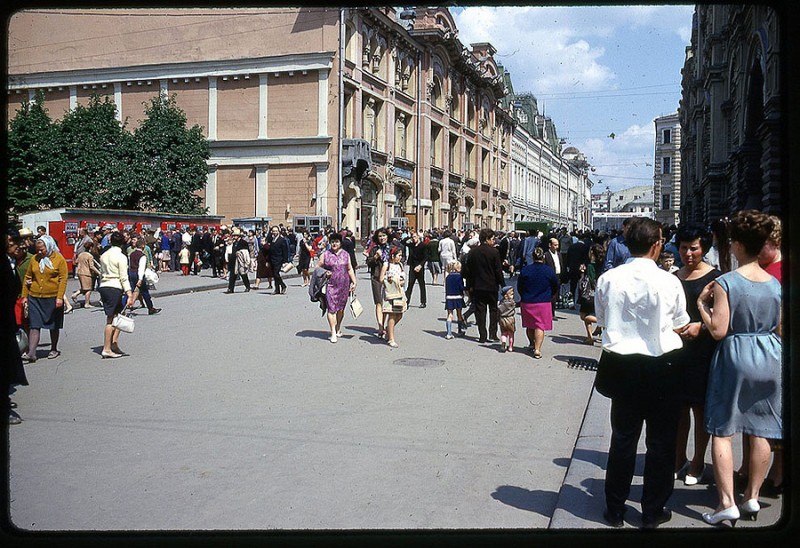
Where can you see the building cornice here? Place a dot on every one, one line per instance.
(213, 68)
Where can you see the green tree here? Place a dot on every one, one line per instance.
(170, 159)
(91, 165)
(30, 144)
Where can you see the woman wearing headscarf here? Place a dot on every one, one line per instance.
(43, 294)
(114, 282)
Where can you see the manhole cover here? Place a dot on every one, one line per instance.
(419, 362)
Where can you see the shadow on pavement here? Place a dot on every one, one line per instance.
(541, 502)
(308, 333)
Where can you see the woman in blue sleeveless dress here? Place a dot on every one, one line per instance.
(742, 309)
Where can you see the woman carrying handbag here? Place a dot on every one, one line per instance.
(114, 282)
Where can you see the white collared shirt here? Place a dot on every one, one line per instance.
(556, 261)
(639, 305)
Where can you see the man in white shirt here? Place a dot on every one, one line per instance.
(552, 258)
(641, 309)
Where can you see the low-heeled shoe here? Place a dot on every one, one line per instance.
(614, 519)
(651, 522)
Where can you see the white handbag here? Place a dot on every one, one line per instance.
(355, 306)
(124, 322)
(286, 267)
(150, 278)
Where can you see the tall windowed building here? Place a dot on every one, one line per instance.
(667, 169)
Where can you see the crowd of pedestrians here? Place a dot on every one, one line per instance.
(688, 320)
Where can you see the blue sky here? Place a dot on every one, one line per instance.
(595, 71)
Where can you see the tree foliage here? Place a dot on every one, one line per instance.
(29, 150)
(89, 159)
(171, 159)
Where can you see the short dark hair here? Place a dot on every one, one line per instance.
(116, 239)
(690, 233)
(335, 237)
(642, 234)
(485, 235)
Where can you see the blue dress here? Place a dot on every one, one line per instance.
(744, 384)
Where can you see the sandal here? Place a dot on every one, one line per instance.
(537, 355)
(392, 344)
(28, 358)
(53, 354)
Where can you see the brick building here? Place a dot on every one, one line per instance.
(291, 100)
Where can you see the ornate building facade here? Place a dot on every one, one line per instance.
(364, 117)
(730, 113)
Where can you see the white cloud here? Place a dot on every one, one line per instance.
(539, 47)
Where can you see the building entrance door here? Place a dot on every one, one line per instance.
(369, 210)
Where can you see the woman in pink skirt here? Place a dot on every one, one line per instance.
(536, 286)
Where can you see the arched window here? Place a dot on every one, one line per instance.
(437, 99)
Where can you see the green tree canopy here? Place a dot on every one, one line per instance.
(171, 159)
(30, 141)
(89, 159)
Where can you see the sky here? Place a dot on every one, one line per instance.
(595, 71)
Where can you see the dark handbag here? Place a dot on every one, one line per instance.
(585, 289)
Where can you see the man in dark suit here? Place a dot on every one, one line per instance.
(175, 245)
(485, 278)
(277, 255)
(577, 255)
(417, 257)
(194, 248)
(552, 258)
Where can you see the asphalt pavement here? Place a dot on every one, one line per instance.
(236, 413)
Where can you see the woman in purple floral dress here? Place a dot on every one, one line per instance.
(342, 281)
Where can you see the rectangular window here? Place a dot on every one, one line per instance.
(665, 201)
(667, 136)
(453, 154)
(436, 145)
(666, 165)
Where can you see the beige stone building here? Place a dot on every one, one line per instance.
(667, 169)
(285, 94)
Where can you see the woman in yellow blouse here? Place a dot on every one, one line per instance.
(43, 295)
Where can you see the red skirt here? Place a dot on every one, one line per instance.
(537, 316)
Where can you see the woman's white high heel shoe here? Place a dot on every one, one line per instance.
(749, 509)
(731, 513)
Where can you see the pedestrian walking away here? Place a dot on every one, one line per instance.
(114, 283)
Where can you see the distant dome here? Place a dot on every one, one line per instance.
(570, 150)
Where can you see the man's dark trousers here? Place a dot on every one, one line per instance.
(484, 300)
(642, 392)
(420, 278)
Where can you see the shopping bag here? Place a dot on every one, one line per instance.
(355, 307)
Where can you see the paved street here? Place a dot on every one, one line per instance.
(236, 412)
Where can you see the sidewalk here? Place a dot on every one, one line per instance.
(580, 500)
